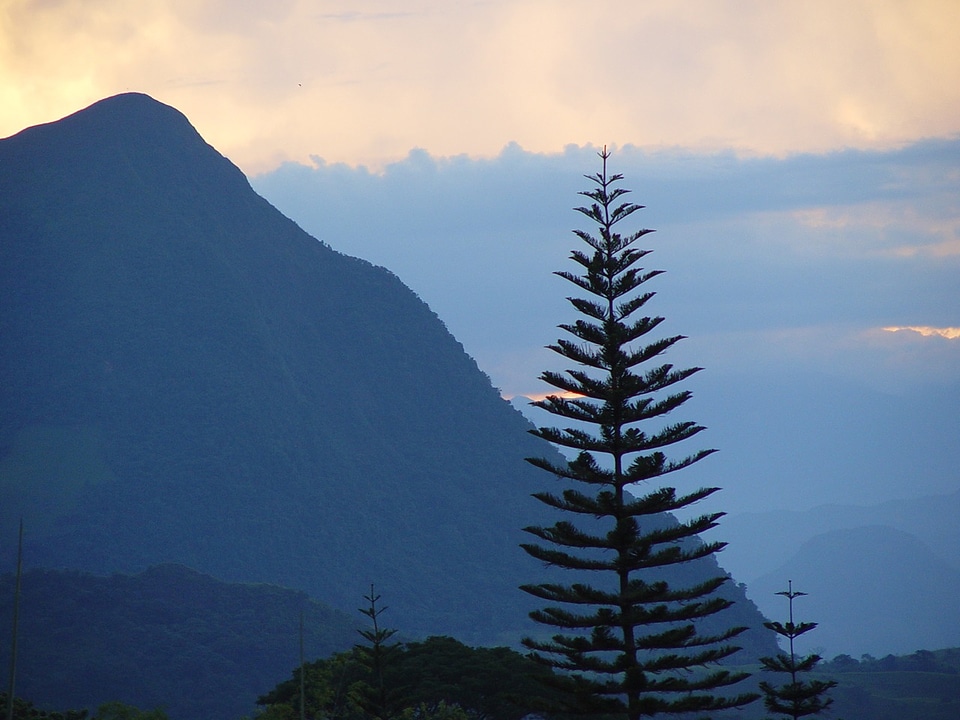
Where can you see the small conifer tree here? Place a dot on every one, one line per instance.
(375, 697)
(798, 698)
(630, 640)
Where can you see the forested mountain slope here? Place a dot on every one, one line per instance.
(168, 637)
(186, 376)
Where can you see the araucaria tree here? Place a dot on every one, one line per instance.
(797, 698)
(376, 698)
(629, 639)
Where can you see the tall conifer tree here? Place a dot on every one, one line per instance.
(629, 639)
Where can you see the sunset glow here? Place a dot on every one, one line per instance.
(950, 333)
(540, 397)
(365, 82)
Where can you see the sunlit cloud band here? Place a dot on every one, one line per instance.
(950, 333)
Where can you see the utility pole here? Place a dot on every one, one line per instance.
(16, 622)
(303, 714)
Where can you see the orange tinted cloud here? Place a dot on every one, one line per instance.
(950, 333)
(364, 82)
(538, 397)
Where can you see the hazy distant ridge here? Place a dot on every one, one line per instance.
(871, 589)
(933, 519)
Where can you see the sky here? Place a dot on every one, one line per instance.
(364, 82)
(799, 161)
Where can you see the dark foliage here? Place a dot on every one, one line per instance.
(25, 710)
(629, 636)
(169, 637)
(121, 711)
(486, 683)
(945, 662)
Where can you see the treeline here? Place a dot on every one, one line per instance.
(438, 677)
(924, 685)
(26, 710)
(929, 661)
(443, 679)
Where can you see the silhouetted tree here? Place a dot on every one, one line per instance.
(798, 698)
(122, 711)
(441, 711)
(376, 697)
(439, 676)
(25, 710)
(629, 640)
(327, 686)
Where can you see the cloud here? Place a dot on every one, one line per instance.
(950, 333)
(786, 262)
(363, 83)
(538, 397)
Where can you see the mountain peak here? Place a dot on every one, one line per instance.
(122, 148)
(230, 394)
(119, 112)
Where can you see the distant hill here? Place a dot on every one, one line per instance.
(927, 526)
(932, 519)
(873, 590)
(168, 637)
(186, 376)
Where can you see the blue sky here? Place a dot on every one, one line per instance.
(796, 280)
(805, 259)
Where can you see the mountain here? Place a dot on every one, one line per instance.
(909, 532)
(932, 519)
(168, 637)
(871, 590)
(186, 376)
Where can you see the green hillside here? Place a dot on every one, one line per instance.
(168, 637)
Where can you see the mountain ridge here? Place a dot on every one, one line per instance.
(930, 518)
(189, 377)
(147, 288)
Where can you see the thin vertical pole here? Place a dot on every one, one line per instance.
(16, 622)
(303, 714)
